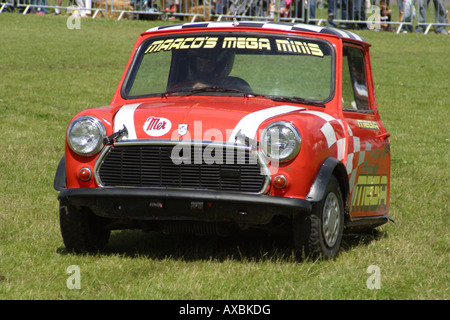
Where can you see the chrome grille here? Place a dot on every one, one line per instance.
(151, 165)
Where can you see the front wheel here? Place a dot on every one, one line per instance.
(82, 231)
(318, 234)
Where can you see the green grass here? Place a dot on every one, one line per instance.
(49, 73)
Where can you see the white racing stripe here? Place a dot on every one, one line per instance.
(125, 117)
(322, 115)
(249, 124)
(310, 27)
(329, 133)
(264, 25)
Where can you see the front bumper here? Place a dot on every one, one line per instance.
(189, 205)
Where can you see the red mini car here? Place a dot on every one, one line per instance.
(227, 126)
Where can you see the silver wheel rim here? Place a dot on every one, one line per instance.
(331, 220)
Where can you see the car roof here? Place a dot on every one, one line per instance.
(264, 25)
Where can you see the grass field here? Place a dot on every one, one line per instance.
(48, 73)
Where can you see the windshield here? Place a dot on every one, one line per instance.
(232, 64)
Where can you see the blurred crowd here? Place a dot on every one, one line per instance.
(410, 15)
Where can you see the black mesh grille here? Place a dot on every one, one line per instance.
(211, 168)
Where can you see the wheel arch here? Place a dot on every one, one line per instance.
(331, 166)
(59, 182)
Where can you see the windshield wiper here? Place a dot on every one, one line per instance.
(193, 91)
(214, 89)
(296, 100)
(171, 92)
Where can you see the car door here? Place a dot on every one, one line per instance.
(368, 157)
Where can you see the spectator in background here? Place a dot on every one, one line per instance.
(301, 12)
(35, 6)
(87, 4)
(385, 15)
(58, 4)
(347, 14)
(407, 14)
(439, 9)
(170, 5)
(359, 13)
(332, 13)
(41, 3)
(353, 10)
(221, 6)
(285, 8)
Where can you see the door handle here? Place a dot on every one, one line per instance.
(383, 136)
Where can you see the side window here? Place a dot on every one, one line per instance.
(354, 85)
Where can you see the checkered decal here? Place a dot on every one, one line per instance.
(357, 155)
(360, 155)
(263, 25)
(333, 131)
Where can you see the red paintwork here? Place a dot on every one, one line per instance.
(219, 115)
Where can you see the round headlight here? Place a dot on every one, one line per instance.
(85, 135)
(280, 141)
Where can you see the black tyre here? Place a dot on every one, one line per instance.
(318, 235)
(81, 230)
